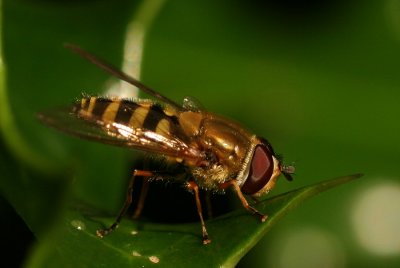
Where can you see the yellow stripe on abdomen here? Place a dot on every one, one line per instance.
(163, 127)
(111, 111)
(138, 117)
(87, 106)
(92, 103)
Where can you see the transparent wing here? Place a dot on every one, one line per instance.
(121, 75)
(66, 120)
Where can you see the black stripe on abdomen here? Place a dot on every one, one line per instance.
(125, 111)
(100, 106)
(153, 117)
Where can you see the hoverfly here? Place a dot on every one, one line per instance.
(212, 152)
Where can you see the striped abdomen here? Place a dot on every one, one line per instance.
(134, 114)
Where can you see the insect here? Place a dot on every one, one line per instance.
(209, 152)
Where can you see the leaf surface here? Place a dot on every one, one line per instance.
(141, 243)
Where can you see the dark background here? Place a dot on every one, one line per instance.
(319, 79)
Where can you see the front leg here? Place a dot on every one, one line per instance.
(239, 193)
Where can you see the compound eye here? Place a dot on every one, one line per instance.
(260, 172)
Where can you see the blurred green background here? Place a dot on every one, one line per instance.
(319, 79)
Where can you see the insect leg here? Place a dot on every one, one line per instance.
(143, 191)
(245, 204)
(191, 185)
(142, 198)
(128, 201)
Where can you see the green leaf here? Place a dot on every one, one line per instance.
(141, 243)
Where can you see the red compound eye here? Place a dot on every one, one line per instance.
(261, 168)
